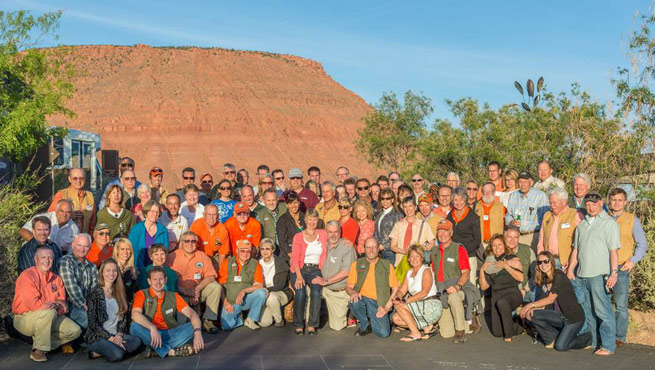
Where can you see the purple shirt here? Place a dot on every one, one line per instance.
(150, 240)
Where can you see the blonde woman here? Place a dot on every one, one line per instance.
(124, 256)
(510, 183)
(107, 333)
(349, 227)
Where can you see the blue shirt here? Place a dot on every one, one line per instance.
(531, 207)
(225, 209)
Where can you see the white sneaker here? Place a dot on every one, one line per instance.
(250, 324)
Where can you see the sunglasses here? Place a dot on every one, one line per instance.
(190, 240)
(279, 178)
(127, 165)
(229, 172)
(77, 178)
(295, 178)
(386, 198)
(222, 188)
(106, 233)
(189, 177)
(344, 207)
(472, 189)
(362, 188)
(267, 183)
(207, 182)
(417, 180)
(129, 178)
(547, 260)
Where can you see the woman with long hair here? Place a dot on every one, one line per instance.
(385, 220)
(363, 214)
(108, 313)
(124, 255)
(349, 227)
(558, 317)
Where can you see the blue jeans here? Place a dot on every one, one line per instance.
(112, 352)
(388, 255)
(365, 311)
(598, 304)
(552, 326)
(79, 316)
(621, 300)
(252, 301)
(300, 301)
(170, 338)
(579, 290)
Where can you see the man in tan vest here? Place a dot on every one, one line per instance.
(633, 249)
(84, 210)
(557, 228)
(492, 213)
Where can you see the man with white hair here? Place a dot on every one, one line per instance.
(79, 276)
(546, 179)
(558, 227)
(342, 174)
(63, 229)
(581, 186)
(84, 209)
(491, 211)
(452, 180)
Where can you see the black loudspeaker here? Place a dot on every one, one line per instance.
(110, 162)
(39, 163)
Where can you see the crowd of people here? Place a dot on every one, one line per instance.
(145, 267)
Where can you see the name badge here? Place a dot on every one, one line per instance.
(204, 243)
(237, 279)
(565, 225)
(197, 276)
(485, 217)
(89, 208)
(169, 311)
(450, 259)
(333, 259)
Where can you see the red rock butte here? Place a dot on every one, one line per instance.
(178, 107)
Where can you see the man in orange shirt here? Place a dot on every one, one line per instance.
(40, 308)
(243, 280)
(102, 248)
(213, 237)
(196, 278)
(243, 227)
(154, 320)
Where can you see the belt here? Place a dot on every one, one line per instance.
(528, 232)
(310, 265)
(432, 297)
(337, 290)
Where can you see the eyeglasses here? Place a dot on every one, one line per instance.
(386, 198)
(106, 233)
(129, 178)
(417, 180)
(547, 260)
(266, 249)
(189, 177)
(127, 165)
(190, 240)
(229, 172)
(360, 188)
(77, 178)
(267, 183)
(279, 178)
(344, 207)
(222, 188)
(207, 182)
(472, 189)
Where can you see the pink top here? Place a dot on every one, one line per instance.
(366, 231)
(299, 247)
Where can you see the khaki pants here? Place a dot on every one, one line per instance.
(453, 317)
(337, 306)
(47, 329)
(211, 295)
(473, 274)
(273, 309)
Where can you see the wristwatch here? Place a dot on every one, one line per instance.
(459, 286)
(615, 271)
(197, 329)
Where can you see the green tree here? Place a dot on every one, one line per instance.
(392, 130)
(35, 84)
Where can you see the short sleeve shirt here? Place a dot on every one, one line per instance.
(215, 241)
(594, 238)
(158, 318)
(252, 231)
(190, 270)
(369, 289)
(339, 258)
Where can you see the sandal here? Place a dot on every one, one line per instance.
(603, 352)
(300, 331)
(409, 338)
(185, 350)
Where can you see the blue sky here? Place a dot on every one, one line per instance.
(442, 49)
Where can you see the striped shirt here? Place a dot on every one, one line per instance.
(79, 277)
(531, 207)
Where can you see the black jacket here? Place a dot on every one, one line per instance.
(467, 231)
(97, 314)
(381, 234)
(281, 277)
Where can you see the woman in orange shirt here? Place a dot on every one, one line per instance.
(349, 227)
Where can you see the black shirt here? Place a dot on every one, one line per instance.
(566, 299)
(467, 231)
(502, 279)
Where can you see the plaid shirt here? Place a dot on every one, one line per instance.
(531, 207)
(79, 277)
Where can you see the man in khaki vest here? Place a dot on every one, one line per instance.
(84, 210)
(491, 211)
(155, 314)
(558, 227)
(243, 280)
(372, 285)
(328, 209)
(633, 249)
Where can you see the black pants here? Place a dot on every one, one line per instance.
(503, 303)
(552, 326)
